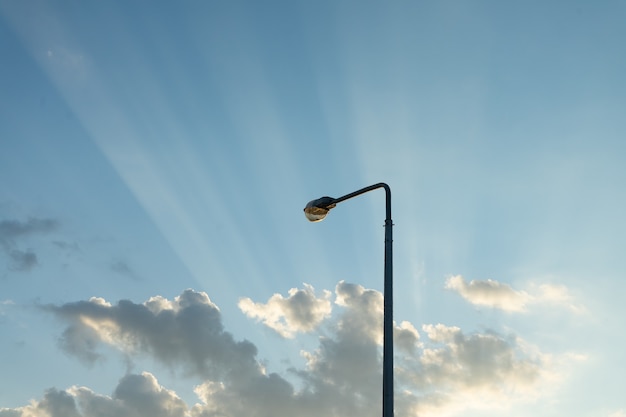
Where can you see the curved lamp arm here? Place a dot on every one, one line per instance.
(315, 211)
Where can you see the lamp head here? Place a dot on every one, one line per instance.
(316, 210)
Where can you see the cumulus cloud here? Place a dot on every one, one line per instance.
(301, 311)
(479, 359)
(363, 316)
(349, 363)
(185, 331)
(490, 293)
(406, 338)
(439, 368)
(11, 231)
(135, 396)
(456, 371)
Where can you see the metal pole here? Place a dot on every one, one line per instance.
(388, 315)
(388, 298)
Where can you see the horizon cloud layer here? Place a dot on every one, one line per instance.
(438, 369)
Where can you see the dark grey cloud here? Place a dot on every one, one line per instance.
(70, 247)
(12, 231)
(142, 395)
(406, 338)
(22, 260)
(186, 331)
(57, 404)
(123, 268)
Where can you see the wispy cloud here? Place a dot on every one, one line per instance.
(494, 294)
(22, 260)
(489, 293)
(11, 229)
(123, 268)
(557, 295)
(4, 305)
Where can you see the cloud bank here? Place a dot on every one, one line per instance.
(439, 368)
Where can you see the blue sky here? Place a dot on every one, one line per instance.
(156, 157)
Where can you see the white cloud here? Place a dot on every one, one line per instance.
(558, 295)
(301, 311)
(490, 293)
(439, 369)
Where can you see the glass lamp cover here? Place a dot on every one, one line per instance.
(315, 214)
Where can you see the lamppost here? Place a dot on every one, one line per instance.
(315, 211)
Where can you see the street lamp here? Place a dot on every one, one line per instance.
(315, 211)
